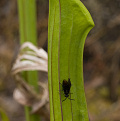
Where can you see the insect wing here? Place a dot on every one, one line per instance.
(69, 82)
(66, 86)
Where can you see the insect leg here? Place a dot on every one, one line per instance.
(60, 83)
(64, 99)
(70, 98)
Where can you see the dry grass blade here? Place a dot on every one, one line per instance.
(30, 58)
(26, 95)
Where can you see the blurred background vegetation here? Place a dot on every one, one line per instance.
(101, 57)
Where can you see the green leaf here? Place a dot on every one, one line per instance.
(3, 115)
(28, 32)
(69, 24)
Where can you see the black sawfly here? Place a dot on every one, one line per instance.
(66, 85)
